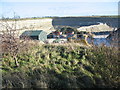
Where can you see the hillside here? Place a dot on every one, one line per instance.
(22, 25)
(33, 64)
(50, 24)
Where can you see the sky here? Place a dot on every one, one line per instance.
(38, 8)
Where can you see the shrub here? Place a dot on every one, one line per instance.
(58, 67)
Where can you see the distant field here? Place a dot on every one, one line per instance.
(85, 21)
(32, 18)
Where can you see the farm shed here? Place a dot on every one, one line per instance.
(35, 35)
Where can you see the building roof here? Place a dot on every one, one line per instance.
(32, 33)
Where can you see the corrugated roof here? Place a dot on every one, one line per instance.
(32, 33)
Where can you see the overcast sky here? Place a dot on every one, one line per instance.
(38, 8)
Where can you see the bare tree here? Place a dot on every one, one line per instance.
(10, 42)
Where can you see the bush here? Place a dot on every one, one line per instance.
(59, 67)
